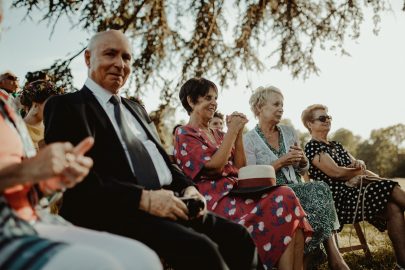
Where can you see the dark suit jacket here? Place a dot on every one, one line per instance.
(110, 191)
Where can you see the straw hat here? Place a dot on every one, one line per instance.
(255, 179)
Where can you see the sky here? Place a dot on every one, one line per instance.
(364, 91)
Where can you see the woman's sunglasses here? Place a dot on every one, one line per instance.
(323, 118)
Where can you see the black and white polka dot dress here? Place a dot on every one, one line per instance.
(376, 196)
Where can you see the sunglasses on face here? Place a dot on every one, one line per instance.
(323, 118)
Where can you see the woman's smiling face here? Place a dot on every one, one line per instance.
(206, 106)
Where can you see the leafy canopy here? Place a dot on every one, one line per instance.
(175, 40)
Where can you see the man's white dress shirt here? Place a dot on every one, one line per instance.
(103, 97)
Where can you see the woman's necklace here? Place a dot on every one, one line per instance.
(280, 151)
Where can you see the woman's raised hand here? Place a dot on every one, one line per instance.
(236, 121)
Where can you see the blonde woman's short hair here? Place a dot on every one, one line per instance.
(308, 114)
(261, 96)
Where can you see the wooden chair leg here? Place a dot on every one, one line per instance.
(336, 239)
(363, 243)
(362, 239)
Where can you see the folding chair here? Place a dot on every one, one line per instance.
(363, 243)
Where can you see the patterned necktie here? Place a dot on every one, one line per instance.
(142, 163)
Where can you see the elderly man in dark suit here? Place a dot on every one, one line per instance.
(132, 188)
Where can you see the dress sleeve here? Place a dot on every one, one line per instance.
(341, 148)
(249, 149)
(191, 151)
(313, 148)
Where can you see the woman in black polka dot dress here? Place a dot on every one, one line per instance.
(384, 201)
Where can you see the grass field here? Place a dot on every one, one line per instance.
(379, 243)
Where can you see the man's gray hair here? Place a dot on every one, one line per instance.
(98, 35)
(94, 39)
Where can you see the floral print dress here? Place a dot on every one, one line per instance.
(271, 218)
(315, 197)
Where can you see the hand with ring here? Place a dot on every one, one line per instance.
(68, 165)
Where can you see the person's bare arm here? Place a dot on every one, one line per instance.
(326, 164)
(357, 163)
(218, 161)
(240, 155)
(13, 175)
(50, 164)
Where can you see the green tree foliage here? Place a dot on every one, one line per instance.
(305, 137)
(175, 40)
(400, 170)
(347, 139)
(382, 151)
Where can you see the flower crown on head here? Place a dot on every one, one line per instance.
(39, 91)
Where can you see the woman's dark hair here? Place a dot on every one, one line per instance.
(195, 88)
(39, 91)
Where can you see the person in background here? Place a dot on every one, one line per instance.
(34, 97)
(271, 143)
(212, 159)
(217, 121)
(381, 203)
(9, 83)
(170, 151)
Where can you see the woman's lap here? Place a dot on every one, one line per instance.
(271, 219)
(376, 197)
(317, 201)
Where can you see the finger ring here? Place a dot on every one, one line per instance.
(70, 157)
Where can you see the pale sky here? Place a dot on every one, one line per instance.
(364, 91)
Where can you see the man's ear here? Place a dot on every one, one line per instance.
(87, 57)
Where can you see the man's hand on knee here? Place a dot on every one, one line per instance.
(163, 203)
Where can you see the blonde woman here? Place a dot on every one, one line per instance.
(274, 144)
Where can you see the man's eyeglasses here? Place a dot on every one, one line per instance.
(323, 118)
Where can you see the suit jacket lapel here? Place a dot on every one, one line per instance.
(94, 105)
(101, 115)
